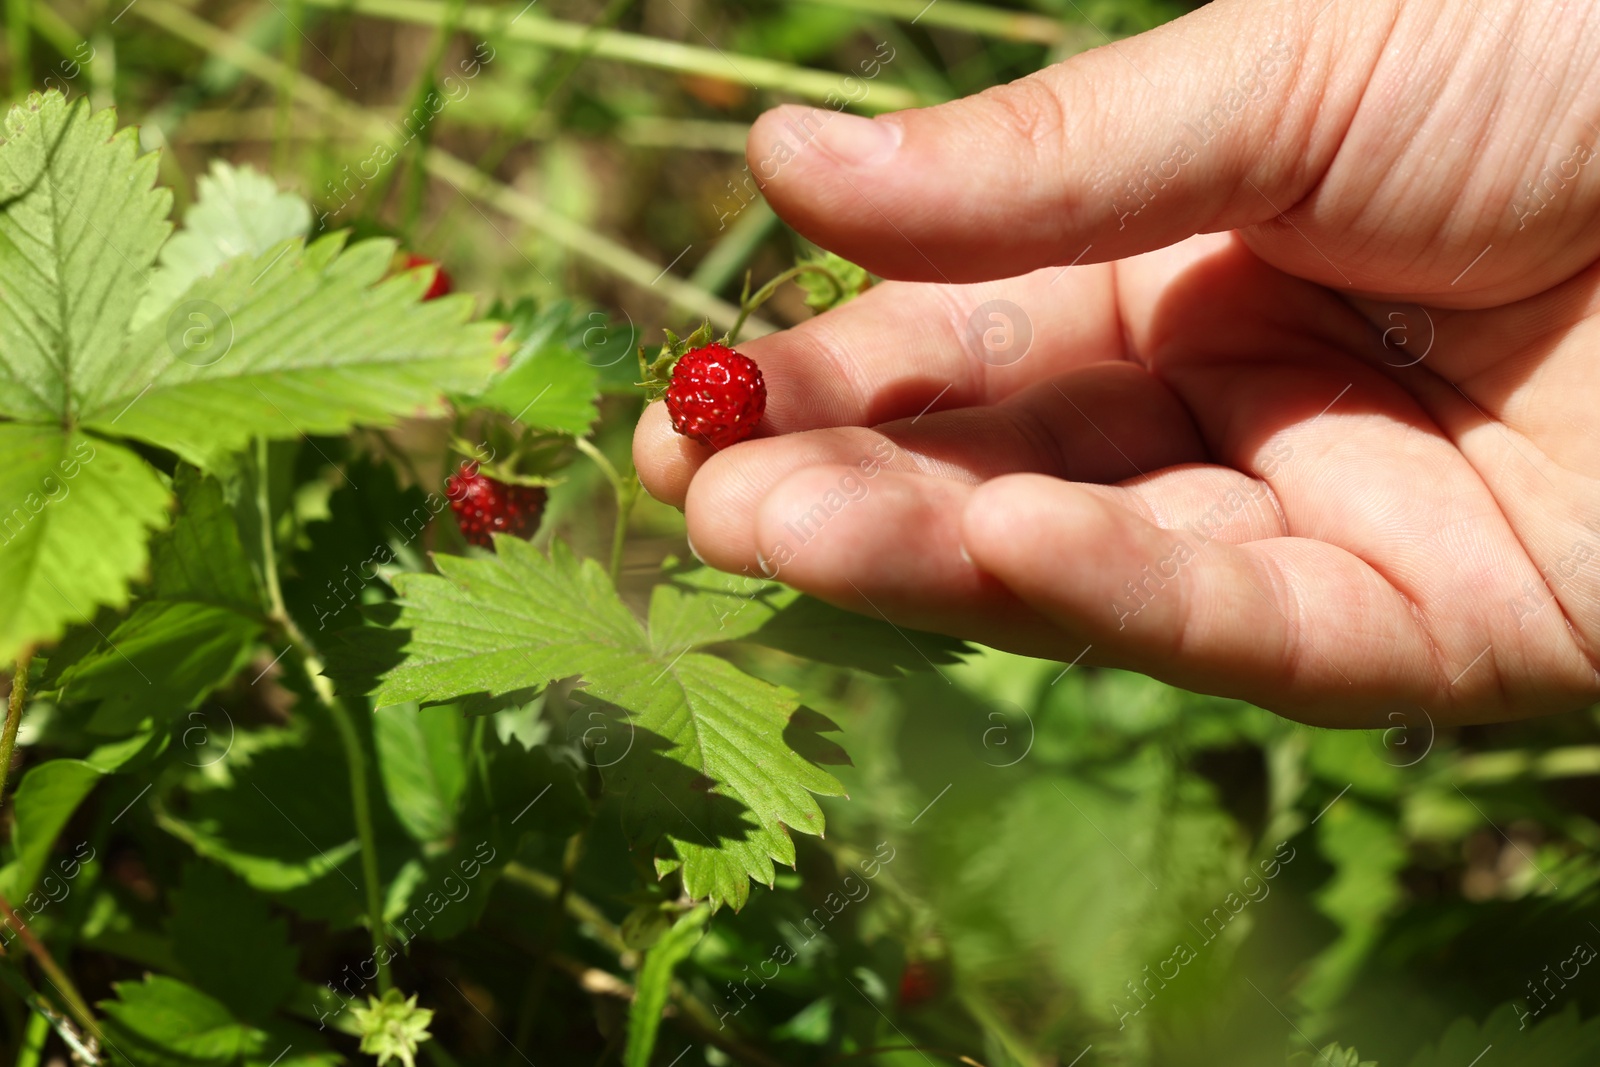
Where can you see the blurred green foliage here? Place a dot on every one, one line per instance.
(1036, 864)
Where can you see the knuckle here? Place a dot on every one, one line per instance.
(1033, 114)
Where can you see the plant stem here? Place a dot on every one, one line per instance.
(103, 69)
(619, 532)
(415, 103)
(579, 908)
(294, 16)
(539, 110)
(8, 736)
(749, 303)
(818, 85)
(552, 925)
(741, 241)
(53, 972)
(33, 1039)
(17, 34)
(955, 15)
(349, 737)
(627, 494)
(695, 1015)
(356, 759)
(61, 35)
(462, 176)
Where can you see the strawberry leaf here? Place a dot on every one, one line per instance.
(422, 762)
(201, 557)
(1562, 1040)
(238, 211)
(836, 281)
(708, 779)
(45, 800)
(162, 1021)
(75, 513)
(299, 340)
(293, 341)
(80, 224)
(709, 606)
(551, 382)
(229, 942)
(159, 662)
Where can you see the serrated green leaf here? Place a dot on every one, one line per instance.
(299, 340)
(1561, 1040)
(277, 813)
(372, 525)
(548, 384)
(552, 391)
(283, 822)
(1334, 1055)
(163, 1021)
(80, 224)
(706, 606)
(1364, 845)
(842, 283)
(655, 984)
(201, 557)
(75, 513)
(229, 944)
(160, 661)
(238, 212)
(45, 800)
(708, 776)
(138, 750)
(422, 761)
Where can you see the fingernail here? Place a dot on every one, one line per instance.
(962, 547)
(692, 551)
(859, 141)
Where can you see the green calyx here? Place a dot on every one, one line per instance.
(656, 374)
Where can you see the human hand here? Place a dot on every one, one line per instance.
(1336, 458)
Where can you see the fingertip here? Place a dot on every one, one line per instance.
(836, 532)
(666, 460)
(845, 139)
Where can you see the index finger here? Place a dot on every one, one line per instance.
(903, 349)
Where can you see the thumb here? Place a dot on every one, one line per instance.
(1219, 120)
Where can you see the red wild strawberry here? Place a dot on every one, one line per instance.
(441, 286)
(484, 506)
(920, 982)
(717, 396)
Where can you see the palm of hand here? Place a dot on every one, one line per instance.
(1205, 467)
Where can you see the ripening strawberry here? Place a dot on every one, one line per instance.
(484, 506)
(442, 286)
(920, 982)
(716, 396)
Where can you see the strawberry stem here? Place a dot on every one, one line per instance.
(53, 973)
(320, 684)
(748, 303)
(626, 491)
